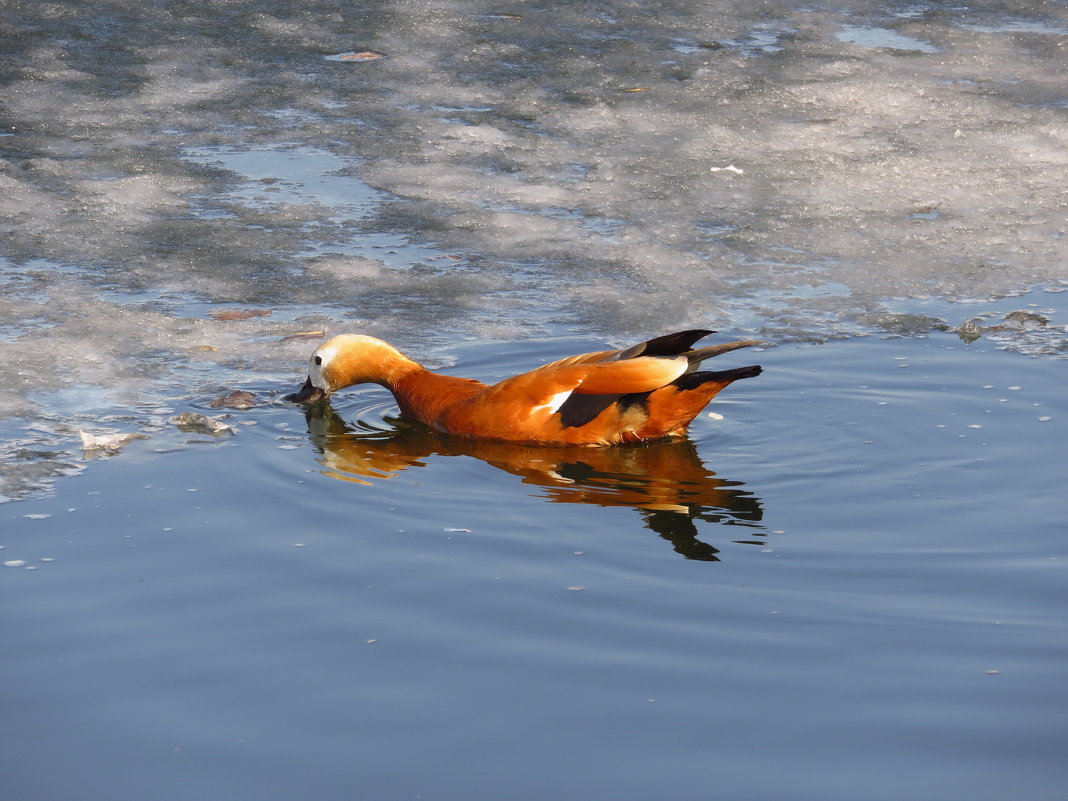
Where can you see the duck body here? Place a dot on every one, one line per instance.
(646, 392)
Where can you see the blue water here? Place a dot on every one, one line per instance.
(870, 604)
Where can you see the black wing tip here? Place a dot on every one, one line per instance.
(674, 344)
(694, 380)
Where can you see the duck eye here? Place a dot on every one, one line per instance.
(318, 360)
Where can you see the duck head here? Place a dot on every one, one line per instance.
(350, 359)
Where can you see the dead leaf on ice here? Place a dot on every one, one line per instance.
(238, 399)
(238, 314)
(363, 55)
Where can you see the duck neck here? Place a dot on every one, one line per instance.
(423, 395)
(397, 372)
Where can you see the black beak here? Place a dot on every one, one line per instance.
(309, 393)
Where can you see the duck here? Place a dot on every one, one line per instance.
(646, 392)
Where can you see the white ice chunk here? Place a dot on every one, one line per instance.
(107, 442)
(195, 421)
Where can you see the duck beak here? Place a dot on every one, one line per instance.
(309, 393)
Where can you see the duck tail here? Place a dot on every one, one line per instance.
(720, 377)
(698, 355)
(670, 409)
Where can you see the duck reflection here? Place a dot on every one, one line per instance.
(665, 482)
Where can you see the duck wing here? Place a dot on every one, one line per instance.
(667, 345)
(551, 384)
(584, 404)
(677, 344)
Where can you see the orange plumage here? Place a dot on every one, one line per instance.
(649, 391)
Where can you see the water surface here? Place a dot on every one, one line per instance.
(846, 573)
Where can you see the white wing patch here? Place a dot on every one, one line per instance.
(555, 402)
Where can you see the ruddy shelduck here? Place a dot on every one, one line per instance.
(645, 392)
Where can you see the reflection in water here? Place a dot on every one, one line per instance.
(665, 482)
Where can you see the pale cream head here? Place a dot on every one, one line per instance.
(349, 359)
